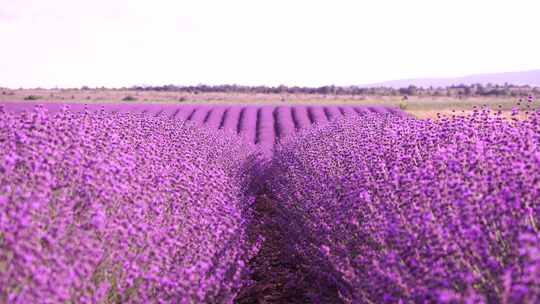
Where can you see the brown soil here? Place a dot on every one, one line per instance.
(276, 279)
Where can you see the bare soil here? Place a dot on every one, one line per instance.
(276, 277)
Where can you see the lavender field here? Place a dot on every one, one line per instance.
(264, 125)
(149, 203)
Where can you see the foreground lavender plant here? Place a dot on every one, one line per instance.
(102, 207)
(391, 209)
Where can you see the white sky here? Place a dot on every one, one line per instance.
(70, 43)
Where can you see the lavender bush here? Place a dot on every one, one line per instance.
(284, 122)
(392, 209)
(108, 207)
(300, 117)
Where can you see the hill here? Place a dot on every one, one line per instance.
(531, 78)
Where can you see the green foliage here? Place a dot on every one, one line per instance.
(403, 104)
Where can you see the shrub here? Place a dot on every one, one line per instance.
(403, 104)
(32, 97)
(129, 98)
(99, 207)
(391, 209)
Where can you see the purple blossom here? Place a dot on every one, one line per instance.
(415, 210)
(98, 205)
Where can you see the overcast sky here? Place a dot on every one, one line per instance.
(70, 43)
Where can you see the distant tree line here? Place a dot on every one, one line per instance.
(461, 90)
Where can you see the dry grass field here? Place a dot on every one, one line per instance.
(418, 106)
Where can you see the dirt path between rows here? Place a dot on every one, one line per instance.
(277, 278)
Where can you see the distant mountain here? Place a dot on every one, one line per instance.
(531, 78)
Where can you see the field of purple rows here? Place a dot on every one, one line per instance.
(264, 125)
(133, 204)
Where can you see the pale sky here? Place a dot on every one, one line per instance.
(113, 43)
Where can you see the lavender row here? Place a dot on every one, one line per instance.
(113, 207)
(390, 209)
(266, 127)
(285, 125)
